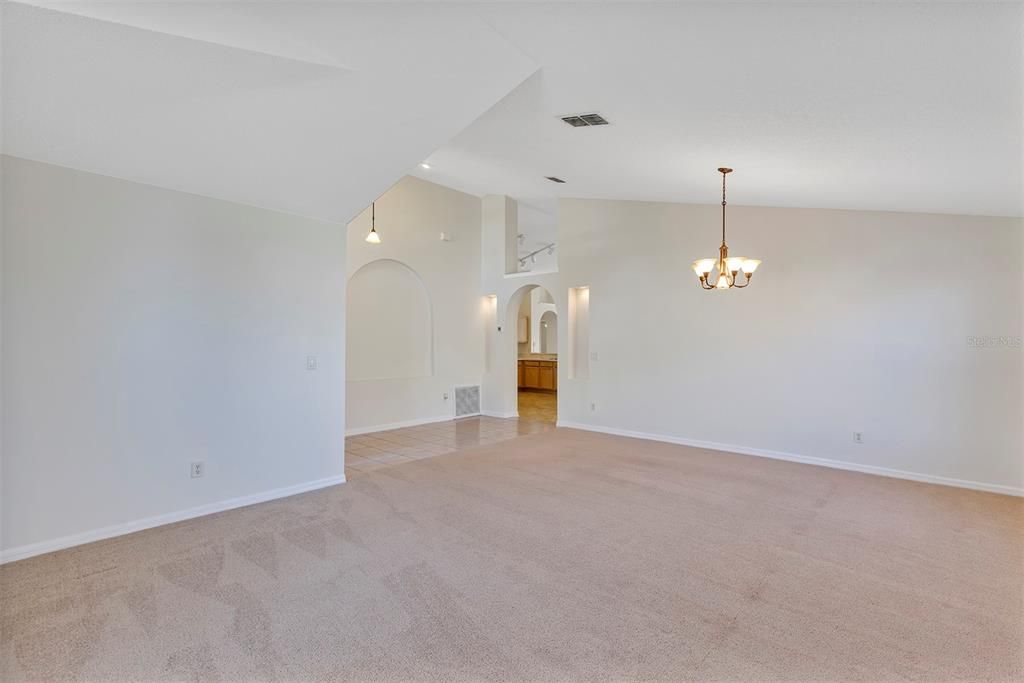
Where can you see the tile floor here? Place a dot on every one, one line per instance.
(538, 405)
(368, 452)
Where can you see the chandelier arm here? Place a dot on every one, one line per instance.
(746, 280)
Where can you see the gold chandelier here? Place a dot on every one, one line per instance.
(729, 267)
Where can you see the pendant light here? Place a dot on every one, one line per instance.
(729, 267)
(373, 237)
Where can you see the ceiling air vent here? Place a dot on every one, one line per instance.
(581, 120)
(554, 179)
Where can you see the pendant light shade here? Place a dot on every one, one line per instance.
(703, 266)
(373, 237)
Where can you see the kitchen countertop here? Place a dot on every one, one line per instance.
(539, 356)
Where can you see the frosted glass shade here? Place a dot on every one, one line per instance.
(723, 282)
(750, 265)
(734, 263)
(372, 237)
(703, 266)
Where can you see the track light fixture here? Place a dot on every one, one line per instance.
(532, 256)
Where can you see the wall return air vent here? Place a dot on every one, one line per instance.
(554, 179)
(583, 120)
(467, 401)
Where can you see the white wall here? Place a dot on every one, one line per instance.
(525, 312)
(856, 321)
(502, 303)
(541, 302)
(144, 328)
(389, 331)
(502, 297)
(410, 219)
(549, 332)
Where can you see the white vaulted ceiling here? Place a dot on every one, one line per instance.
(885, 106)
(316, 108)
(309, 108)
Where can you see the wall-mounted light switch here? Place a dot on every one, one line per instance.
(311, 362)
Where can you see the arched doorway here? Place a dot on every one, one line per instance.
(536, 351)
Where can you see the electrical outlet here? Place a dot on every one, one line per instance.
(593, 407)
(858, 437)
(196, 469)
(446, 395)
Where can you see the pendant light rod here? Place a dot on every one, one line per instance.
(372, 237)
(723, 171)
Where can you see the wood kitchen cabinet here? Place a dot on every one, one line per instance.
(538, 374)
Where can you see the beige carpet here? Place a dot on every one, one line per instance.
(559, 556)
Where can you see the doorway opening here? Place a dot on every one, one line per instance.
(537, 356)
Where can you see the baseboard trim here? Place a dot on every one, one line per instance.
(33, 549)
(804, 459)
(398, 425)
(503, 416)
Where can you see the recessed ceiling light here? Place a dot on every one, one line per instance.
(425, 166)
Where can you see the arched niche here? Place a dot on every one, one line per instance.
(548, 332)
(389, 324)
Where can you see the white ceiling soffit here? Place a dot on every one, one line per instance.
(313, 109)
(882, 106)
